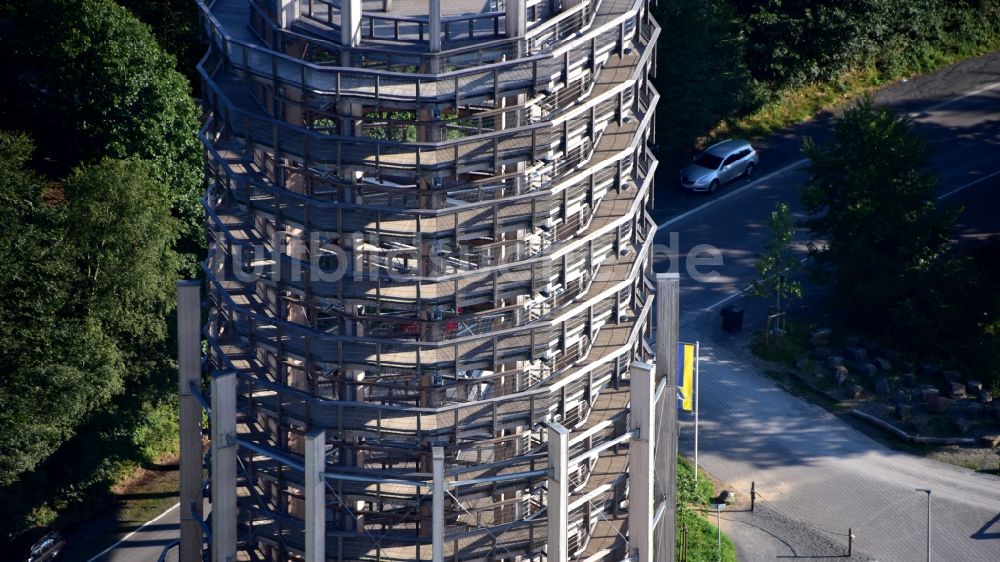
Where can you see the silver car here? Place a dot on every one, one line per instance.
(719, 164)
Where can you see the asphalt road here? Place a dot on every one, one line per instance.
(961, 121)
(958, 110)
(805, 461)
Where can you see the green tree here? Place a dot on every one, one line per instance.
(702, 71)
(55, 368)
(791, 42)
(90, 82)
(87, 276)
(778, 261)
(126, 269)
(175, 24)
(873, 207)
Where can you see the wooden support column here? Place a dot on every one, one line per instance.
(642, 404)
(437, 509)
(224, 467)
(315, 492)
(667, 327)
(188, 374)
(558, 507)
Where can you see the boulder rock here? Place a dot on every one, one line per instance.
(869, 370)
(951, 376)
(903, 397)
(957, 390)
(840, 375)
(881, 385)
(938, 405)
(882, 363)
(801, 363)
(821, 353)
(834, 361)
(928, 393)
(992, 440)
(973, 387)
(854, 392)
(985, 397)
(856, 353)
(908, 380)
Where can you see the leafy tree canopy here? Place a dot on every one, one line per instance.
(175, 24)
(91, 82)
(86, 295)
(126, 268)
(874, 208)
(777, 262)
(702, 70)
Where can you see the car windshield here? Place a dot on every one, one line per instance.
(709, 161)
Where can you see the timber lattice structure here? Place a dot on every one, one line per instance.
(429, 230)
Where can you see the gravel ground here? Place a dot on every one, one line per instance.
(767, 533)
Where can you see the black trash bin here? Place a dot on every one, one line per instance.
(732, 318)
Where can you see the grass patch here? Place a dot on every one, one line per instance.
(702, 535)
(799, 104)
(150, 492)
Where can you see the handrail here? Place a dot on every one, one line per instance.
(564, 183)
(451, 79)
(549, 390)
(312, 37)
(166, 549)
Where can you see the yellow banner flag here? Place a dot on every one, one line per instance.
(685, 372)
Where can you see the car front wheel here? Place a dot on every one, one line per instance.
(713, 186)
(750, 170)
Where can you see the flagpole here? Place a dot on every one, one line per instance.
(697, 398)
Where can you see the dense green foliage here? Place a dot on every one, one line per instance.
(878, 218)
(701, 74)
(720, 60)
(84, 318)
(888, 250)
(100, 216)
(55, 370)
(92, 83)
(175, 24)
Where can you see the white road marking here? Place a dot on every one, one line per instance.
(798, 163)
(968, 185)
(961, 97)
(732, 193)
(132, 534)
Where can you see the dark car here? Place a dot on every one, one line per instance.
(40, 545)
